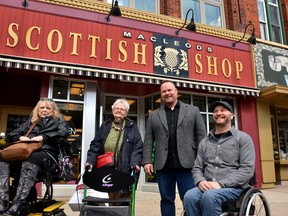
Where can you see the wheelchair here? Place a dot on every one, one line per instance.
(251, 202)
(46, 206)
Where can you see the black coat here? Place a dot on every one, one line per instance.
(131, 148)
(54, 132)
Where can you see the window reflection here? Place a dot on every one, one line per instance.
(60, 89)
(77, 91)
(132, 102)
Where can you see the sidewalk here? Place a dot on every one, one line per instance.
(147, 203)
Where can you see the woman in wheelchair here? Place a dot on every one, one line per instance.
(223, 167)
(52, 129)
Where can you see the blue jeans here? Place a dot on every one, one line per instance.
(209, 203)
(167, 180)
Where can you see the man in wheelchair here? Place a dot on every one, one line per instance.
(223, 167)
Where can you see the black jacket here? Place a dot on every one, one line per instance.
(54, 131)
(131, 148)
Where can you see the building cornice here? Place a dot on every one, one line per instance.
(102, 7)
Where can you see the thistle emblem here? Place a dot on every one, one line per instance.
(171, 60)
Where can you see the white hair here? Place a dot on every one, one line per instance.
(123, 101)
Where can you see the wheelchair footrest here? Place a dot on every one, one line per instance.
(53, 207)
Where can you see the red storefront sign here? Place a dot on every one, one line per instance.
(52, 37)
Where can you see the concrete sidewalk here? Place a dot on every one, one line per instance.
(147, 203)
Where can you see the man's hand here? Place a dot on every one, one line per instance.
(149, 169)
(208, 185)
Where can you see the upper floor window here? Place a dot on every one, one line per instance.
(270, 20)
(147, 5)
(209, 12)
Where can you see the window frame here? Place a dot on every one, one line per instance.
(202, 4)
(131, 4)
(268, 32)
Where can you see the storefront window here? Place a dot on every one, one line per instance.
(63, 88)
(60, 89)
(77, 91)
(279, 123)
(133, 107)
(69, 96)
(73, 114)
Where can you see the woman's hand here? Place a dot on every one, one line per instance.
(88, 167)
(137, 168)
(24, 138)
(37, 138)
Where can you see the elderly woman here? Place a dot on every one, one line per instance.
(129, 151)
(51, 128)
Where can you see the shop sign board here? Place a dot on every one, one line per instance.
(138, 49)
(272, 65)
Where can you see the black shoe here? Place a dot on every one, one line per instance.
(18, 208)
(4, 204)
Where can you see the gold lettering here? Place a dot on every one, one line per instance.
(212, 65)
(94, 39)
(75, 42)
(239, 69)
(50, 41)
(136, 53)
(122, 46)
(28, 37)
(108, 49)
(199, 66)
(13, 35)
(224, 63)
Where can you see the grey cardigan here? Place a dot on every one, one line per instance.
(190, 131)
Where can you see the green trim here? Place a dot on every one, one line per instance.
(281, 22)
(268, 20)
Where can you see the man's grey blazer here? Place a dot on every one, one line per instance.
(190, 131)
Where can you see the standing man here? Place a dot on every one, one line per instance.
(223, 167)
(177, 129)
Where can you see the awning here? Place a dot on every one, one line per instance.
(275, 95)
(125, 76)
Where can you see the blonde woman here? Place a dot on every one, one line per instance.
(52, 129)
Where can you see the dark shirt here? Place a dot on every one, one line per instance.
(172, 120)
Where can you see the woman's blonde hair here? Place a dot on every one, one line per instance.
(49, 102)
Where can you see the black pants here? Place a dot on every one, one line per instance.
(35, 158)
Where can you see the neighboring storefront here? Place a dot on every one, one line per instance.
(84, 62)
(272, 108)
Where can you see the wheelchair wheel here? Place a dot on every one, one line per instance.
(254, 203)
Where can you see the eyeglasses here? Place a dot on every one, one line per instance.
(46, 99)
(120, 109)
